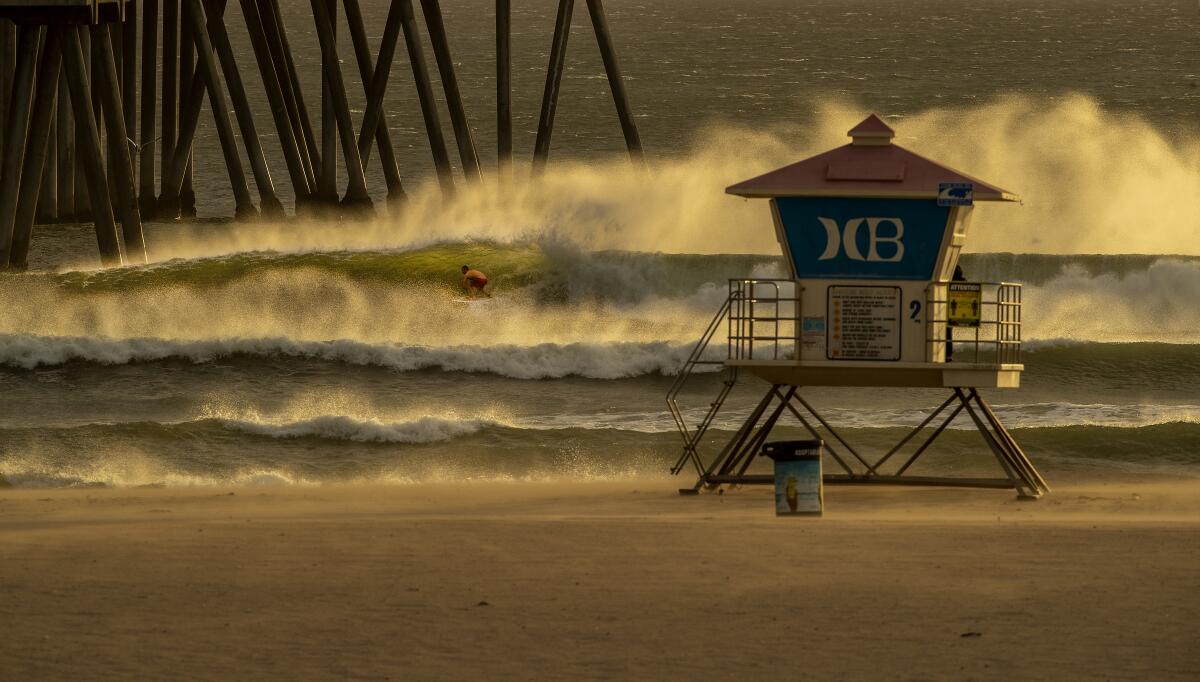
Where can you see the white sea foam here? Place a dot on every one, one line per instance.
(542, 361)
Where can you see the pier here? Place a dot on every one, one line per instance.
(100, 101)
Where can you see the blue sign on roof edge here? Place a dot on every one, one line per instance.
(955, 194)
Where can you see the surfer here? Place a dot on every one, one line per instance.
(474, 281)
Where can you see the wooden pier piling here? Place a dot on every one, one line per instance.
(187, 78)
(367, 71)
(356, 190)
(146, 141)
(302, 186)
(168, 206)
(269, 202)
(206, 72)
(616, 82)
(17, 121)
(88, 148)
(376, 87)
(66, 151)
(429, 112)
(119, 163)
(554, 71)
(504, 87)
(458, 115)
(42, 113)
(327, 189)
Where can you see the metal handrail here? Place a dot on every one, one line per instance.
(690, 439)
(744, 317)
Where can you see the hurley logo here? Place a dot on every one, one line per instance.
(846, 238)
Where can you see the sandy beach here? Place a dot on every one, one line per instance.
(598, 580)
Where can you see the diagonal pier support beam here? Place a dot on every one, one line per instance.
(205, 78)
(17, 121)
(120, 165)
(458, 114)
(269, 202)
(376, 85)
(146, 141)
(368, 73)
(289, 78)
(558, 56)
(356, 190)
(88, 148)
(45, 95)
(616, 82)
(433, 125)
(298, 173)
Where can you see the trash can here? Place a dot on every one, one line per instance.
(799, 490)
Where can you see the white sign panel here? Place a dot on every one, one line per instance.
(864, 323)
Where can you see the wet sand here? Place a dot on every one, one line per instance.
(598, 580)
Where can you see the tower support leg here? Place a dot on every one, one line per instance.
(729, 467)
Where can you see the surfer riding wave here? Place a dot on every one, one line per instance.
(474, 281)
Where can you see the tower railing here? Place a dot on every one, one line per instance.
(764, 319)
(993, 335)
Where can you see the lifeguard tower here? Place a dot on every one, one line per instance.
(871, 234)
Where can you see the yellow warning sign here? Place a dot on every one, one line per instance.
(964, 302)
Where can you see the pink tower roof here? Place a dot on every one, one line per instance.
(870, 166)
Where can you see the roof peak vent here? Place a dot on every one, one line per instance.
(872, 132)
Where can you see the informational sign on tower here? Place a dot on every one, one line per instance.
(965, 302)
(864, 323)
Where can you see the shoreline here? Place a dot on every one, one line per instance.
(599, 580)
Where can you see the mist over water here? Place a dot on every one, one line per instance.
(312, 351)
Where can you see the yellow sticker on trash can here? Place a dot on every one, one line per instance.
(964, 303)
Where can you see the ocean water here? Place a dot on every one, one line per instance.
(312, 352)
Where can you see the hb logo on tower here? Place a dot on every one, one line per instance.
(862, 238)
(846, 238)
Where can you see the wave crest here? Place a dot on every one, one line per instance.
(542, 361)
(426, 429)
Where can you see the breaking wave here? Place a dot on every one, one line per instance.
(542, 361)
(544, 292)
(340, 427)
